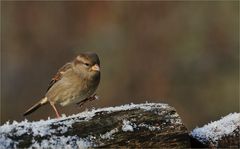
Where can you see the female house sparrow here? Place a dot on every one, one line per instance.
(75, 82)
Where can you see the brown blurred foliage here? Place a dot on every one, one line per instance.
(185, 54)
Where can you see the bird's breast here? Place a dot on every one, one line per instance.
(78, 90)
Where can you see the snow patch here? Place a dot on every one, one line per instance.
(6, 142)
(214, 131)
(127, 126)
(44, 127)
(61, 142)
(108, 135)
(176, 119)
(151, 128)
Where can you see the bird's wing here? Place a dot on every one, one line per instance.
(59, 74)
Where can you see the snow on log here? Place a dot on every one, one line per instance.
(223, 133)
(133, 125)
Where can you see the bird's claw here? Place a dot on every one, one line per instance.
(91, 98)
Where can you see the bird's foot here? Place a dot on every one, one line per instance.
(91, 98)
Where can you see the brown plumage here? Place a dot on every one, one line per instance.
(75, 82)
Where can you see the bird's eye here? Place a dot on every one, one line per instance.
(87, 64)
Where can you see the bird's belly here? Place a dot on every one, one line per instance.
(69, 92)
(75, 97)
(72, 99)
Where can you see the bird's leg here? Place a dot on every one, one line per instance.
(93, 97)
(55, 109)
(80, 103)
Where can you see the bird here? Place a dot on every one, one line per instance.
(74, 83)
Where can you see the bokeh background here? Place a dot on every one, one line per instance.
(185, 54)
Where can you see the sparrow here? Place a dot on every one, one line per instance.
(74, 83)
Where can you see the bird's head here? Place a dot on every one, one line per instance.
(87, 64)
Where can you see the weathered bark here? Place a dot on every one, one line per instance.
(142, 125)
(230, 141)
(226, 141)
(223, 133)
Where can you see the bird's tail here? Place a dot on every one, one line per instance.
(36, 106)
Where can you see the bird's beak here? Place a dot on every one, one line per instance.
(95, 67)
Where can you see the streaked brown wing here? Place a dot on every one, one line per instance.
(59, 75)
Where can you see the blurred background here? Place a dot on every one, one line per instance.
(185, 54)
